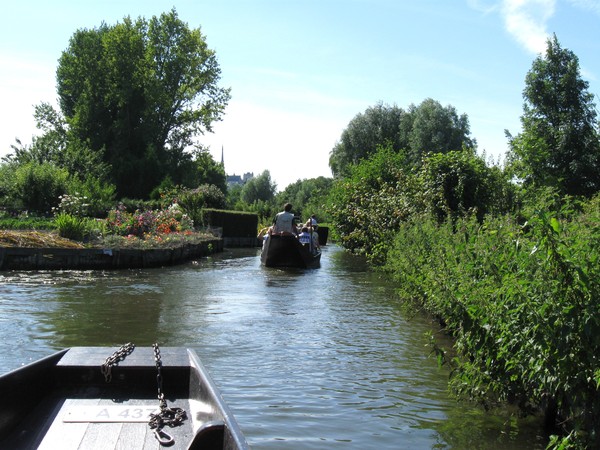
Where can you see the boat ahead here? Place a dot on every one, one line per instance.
(92, 398)
(287, 251)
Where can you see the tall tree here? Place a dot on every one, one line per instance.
(140, 93)
(425, 128)
(378, 125)
(559, 145)
(433, 128)
(259, 188)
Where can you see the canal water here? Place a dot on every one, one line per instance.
(306, 359)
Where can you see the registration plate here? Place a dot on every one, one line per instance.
(108, 413)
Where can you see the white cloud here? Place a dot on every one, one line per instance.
(589, 5)
(526, 21)
(484, 6)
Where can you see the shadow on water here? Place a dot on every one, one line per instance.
(320, 358)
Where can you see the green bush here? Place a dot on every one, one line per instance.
(99, 196)
(37, 187)
(523, 303)
(204, 196)
(370, 205)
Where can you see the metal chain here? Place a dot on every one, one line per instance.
(114, 359)
(167, 416)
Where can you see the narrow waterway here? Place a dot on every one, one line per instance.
(306, 359)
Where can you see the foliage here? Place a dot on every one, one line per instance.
(207, 171)
(57, 146)
(72, 226)
(308, 197)
(7, 185)
(193, 201)
(9, 222)
(522, 302)
(131, 204)
(378, 125)
(259, 188)
(368, 206)
(74, 205)
(99, 196)
(37, 187)
(230, 223)
(234, 196)
(560, 144)
(426, 128)
(138, 93)
(460, 181)
(432, 128)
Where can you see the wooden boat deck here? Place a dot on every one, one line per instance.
(65, 403)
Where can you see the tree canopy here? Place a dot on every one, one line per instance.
(259, 188)
(139, 93)
(425, 128)
(559, 145)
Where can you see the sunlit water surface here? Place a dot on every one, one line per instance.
(306, 359)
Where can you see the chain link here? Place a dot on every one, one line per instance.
(167, 416)
(171, 417)
(114, 360)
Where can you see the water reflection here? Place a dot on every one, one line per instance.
(306, 359)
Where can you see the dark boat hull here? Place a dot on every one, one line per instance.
(323, 233)
(63, 401)
(287, 251)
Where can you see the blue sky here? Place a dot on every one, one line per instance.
(299, 71)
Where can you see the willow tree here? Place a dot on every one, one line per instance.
(559, 145)
(139, 93)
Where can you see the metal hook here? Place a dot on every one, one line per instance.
(163, 437)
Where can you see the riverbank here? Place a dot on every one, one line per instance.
(35, 250)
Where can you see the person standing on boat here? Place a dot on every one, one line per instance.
(284, 222)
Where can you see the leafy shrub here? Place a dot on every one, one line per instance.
(369, 206)
(99, 196)
(204, 196)
(522, 301)
(38, 186)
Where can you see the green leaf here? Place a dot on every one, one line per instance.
(555, 224)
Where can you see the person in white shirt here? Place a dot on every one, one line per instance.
(284, 221)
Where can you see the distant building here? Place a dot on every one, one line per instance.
(232, 180)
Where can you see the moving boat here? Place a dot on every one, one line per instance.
(94, 398)
(287, 251)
